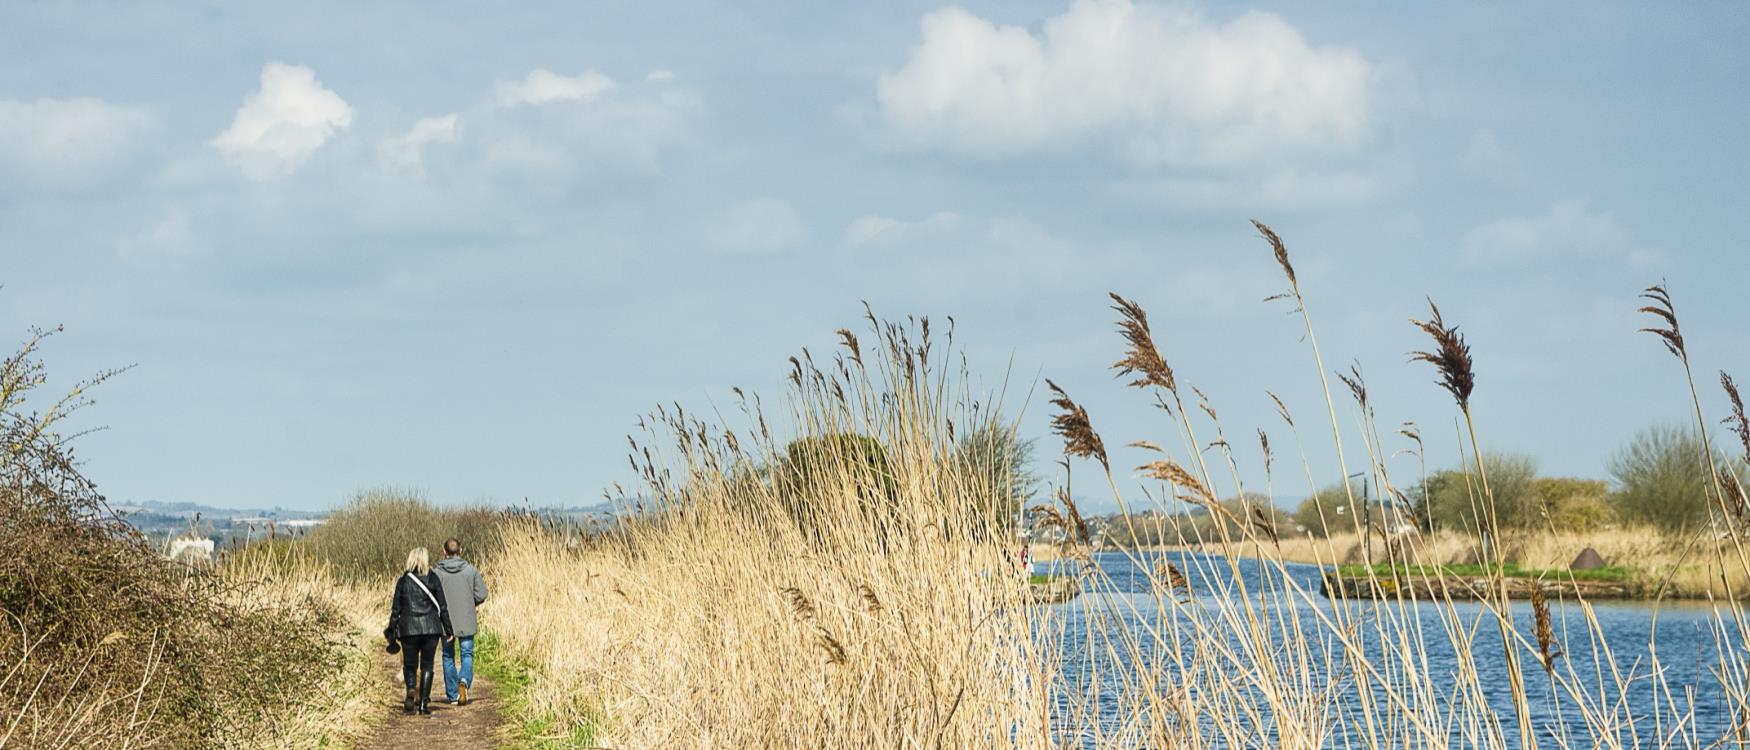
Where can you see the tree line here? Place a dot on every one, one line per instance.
(1659, 479)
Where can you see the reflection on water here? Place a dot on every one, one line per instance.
(1118, 646)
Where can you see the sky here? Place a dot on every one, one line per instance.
(459, 248)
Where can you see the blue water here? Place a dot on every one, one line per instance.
(1116, 647)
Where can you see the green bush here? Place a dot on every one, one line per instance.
(1575, 504)
(1455, 496)
(1326, 513)
(995, 462)
(371, 536)
(1662, 479)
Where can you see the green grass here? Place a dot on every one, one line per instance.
(527, 727)
(1041, 578)
(1607, 574)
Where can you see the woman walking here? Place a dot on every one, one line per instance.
(417, 619)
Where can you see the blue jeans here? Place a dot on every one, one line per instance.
(458, 674)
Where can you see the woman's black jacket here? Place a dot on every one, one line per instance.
(413, 613)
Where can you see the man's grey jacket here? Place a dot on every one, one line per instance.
(464, 588)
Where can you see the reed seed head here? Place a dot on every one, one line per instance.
(1262, 524)
(1451, 356)
(850, 341)
(1169, 471)
(835, 651)
(1281, 409)
(1071, 422)
(1662, 309)
(800, 606)
(1203, 403)
(1176, 580)
(1148, 445)
(1142, 359)
(1277, 247)
(1357, 385)
(1547, 650)
(1740, 425)
(1078, 525)
(871, 602)
(1734, 493)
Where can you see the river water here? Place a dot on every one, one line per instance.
(1115, 631)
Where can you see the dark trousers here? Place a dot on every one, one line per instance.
(417, 653)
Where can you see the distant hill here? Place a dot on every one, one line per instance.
(188, 510)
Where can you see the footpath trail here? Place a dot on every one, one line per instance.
(471, 727)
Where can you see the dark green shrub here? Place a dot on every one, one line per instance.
(838, 473)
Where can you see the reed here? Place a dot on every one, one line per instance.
(888, 612)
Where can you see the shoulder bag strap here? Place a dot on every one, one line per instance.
(428, 594)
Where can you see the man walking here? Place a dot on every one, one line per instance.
(464, 589)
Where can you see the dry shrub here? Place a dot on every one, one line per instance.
(106, 643)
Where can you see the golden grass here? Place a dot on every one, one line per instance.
(885, 616)
(344, 707)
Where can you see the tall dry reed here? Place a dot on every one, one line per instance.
(831, 576)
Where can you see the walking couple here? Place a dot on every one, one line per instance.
(433, 605)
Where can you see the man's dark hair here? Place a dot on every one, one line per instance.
(452, 546)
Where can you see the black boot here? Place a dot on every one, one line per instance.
(425, 693)
(407, 704)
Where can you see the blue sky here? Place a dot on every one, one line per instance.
(459, 248)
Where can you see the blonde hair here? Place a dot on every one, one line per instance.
(418, 561)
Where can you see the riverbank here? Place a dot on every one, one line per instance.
(1637, 563)
(1466, 588)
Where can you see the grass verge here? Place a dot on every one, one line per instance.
(527, 726)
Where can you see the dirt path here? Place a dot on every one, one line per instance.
(470, 727)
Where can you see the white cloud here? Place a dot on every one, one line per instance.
(544, 86)
(1488, 159)
(1568, 232)
(659, 75)
(930, 260)
(865, 230)
(1281, 189)
(169, 236)
(762, 225)
(406, 152)
(66, 142)
(1155, 86)
(281, 125)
